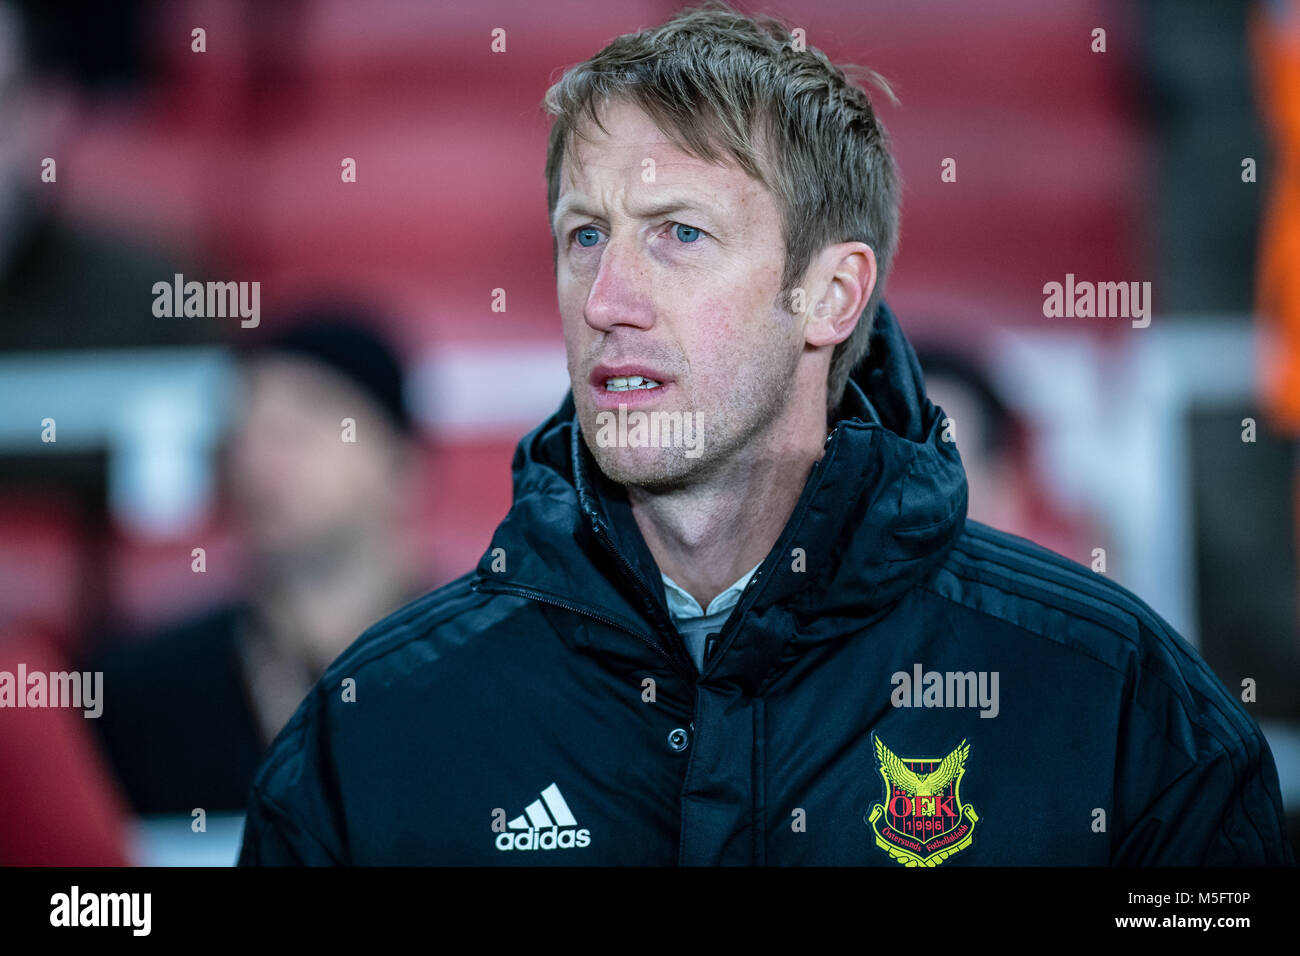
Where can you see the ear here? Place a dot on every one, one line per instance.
(845, 274)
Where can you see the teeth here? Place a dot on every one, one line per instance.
(629, 383)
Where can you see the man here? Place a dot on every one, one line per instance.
(320, 519)
(771, 637)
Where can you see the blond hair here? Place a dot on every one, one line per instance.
(718, 82)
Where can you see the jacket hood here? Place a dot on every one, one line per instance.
(879, 511)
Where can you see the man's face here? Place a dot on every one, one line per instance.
(298, 488)
(674, 280)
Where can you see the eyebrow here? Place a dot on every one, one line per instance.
(672, 204)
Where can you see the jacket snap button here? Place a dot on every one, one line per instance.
(678, 739)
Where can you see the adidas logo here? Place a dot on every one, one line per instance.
(545, 824)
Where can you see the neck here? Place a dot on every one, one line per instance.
(707, 535)
(314, 606)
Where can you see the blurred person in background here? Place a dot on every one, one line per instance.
(1274, 38)
(1275, 42)
(65, 287)
(318, 472)
(996, 451)
(62, 284)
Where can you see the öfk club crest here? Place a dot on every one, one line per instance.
(922, 821)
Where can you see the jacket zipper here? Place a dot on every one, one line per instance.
(747, 597)
(646, 597)
(543, 598)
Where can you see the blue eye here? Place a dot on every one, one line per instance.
(686, 233)
(585, 233)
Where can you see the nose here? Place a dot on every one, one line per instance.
(619, 292)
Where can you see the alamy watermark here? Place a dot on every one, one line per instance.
(130, 910)
(1101, 300)
(83, 689)
(946, 689)
(655, 429)
(215, 300)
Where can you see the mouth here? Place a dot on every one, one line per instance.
(627, 378)
(630, 383)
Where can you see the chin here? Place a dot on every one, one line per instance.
(656, 469)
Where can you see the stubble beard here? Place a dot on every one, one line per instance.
(732, 432)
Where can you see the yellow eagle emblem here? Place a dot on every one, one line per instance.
(922, 821)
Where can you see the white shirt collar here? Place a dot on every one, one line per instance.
(682, 606)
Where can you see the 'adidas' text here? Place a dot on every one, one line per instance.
(536, 829)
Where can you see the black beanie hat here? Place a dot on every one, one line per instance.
(338, 339)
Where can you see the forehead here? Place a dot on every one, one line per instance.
(284, 380)
(614, 160)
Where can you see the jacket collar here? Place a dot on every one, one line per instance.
(879, 511)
